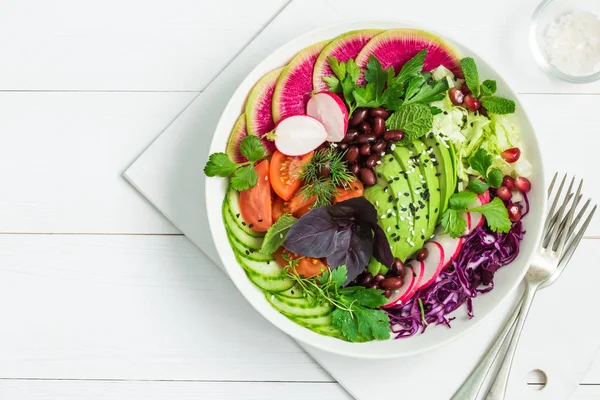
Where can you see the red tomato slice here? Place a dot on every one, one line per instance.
(284, 173)
(255, 203)
(299, 205)
(306, 267)
(278, 208)
(349, 191)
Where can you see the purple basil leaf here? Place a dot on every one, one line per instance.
(313, 234)
(352, 210)
(381, 248)
(356, 255)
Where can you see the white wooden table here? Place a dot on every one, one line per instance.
(98, 291)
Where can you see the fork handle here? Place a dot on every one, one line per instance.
(474, 383)
(498, 388)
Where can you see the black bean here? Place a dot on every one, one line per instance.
(379, 112)
(367, 176)
(359, 116)
(393, 136)
(352, 154)
(378, 126)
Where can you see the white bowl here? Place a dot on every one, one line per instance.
(506, 280)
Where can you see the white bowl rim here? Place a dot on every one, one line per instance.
(249, 291)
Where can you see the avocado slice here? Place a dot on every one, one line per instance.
(409, 162)
(431, 192)
(442, 160)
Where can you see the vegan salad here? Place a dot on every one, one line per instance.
(376, 184)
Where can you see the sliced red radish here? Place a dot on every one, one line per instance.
(477, 219)
(412, 278)
(433, 264)
(299, 134)
(331, 111)
(450, 245)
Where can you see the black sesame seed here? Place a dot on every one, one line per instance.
(403, 209)
(459, 180)
(472, 124)
(243, 223)
(251, 226)
(395, 208)
(407, 194)
(422, 237)
(237, 215)
(396, 178)
(355, 187)
(390, 199)
(438, 174)
(247, 253)
(260, 220)
(378, 175)
(385, 187)
(393, 234)
(436, 209)
(397, 227)
(445, 112)
(391, 181)
(251, 251)
(418, 217)
(427, 216)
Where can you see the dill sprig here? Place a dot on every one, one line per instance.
(323, 174)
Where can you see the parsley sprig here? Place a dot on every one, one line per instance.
(243, 175)
(453, 219)
(485, 91)
(356, 309)
(481, 162)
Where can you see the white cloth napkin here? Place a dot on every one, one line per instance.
(560, 337)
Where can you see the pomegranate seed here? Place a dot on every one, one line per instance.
(471, 103)
(509, 182)
(511, 155)
(514, 212)
(522, 184)
(504, 193)
(456, 96)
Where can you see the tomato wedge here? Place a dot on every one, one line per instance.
(278, 208)
(300, 205)
(255, 203)
(349, 191)
(284, 173)
(305, 267)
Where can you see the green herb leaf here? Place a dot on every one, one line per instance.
(496, 215)
(376, 76)
(494, 177)
(413, 87)
(481, 162)
(334, 84)
(244, 178)
(478, 186)
(435, 110)
(488, 87)
(392, 97)
(453, 222)
(252, 148)
(219, 164)
(415, 120)
(498, 105)
(412, 67)
(471, 75)
(462, 200)
(371, 298)
(365, 96)
(372, 323)
(338, 68)
(353, 70)
(338, 276)
(344, 321)
(276, 234)
(429, 93)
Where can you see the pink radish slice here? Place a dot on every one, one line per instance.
(433, 264)
(299, 134)
(450, 245)
(412, 278)
(477, 219)
(331, 111)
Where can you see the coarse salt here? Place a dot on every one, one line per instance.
(573, 43)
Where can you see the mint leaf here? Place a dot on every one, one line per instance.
(429, 93)
(478, 186)
(344, 321)
(276, 234)
(412, 67)
(376, 76)
(453, 222)
(372, 323)
(338, 68)
(219, 164)
(481, 162)
(252, 148)
(488, 87)
(244, 178)
(494, 178)
(471, 75)
(415, 120)
(496, 215)
(461, 200)
(498, 105)
(334, 84)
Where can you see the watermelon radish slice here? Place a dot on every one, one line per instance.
(330, 110)
(294, 86)
(412, 279)
(434, 264)
(259, 115)
(235, 139)
(393, 48)
(299, 134)
(343, 47)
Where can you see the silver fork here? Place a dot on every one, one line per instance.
(541, 274)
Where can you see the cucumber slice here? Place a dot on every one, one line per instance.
(271, 285)
(250, 241)
(329, 331)
(267, 269)
(298, 307)
(317, 322)
(232, 200)
(294, 293)
(243, 250)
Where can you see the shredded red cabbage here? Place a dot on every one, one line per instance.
(471, 273)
